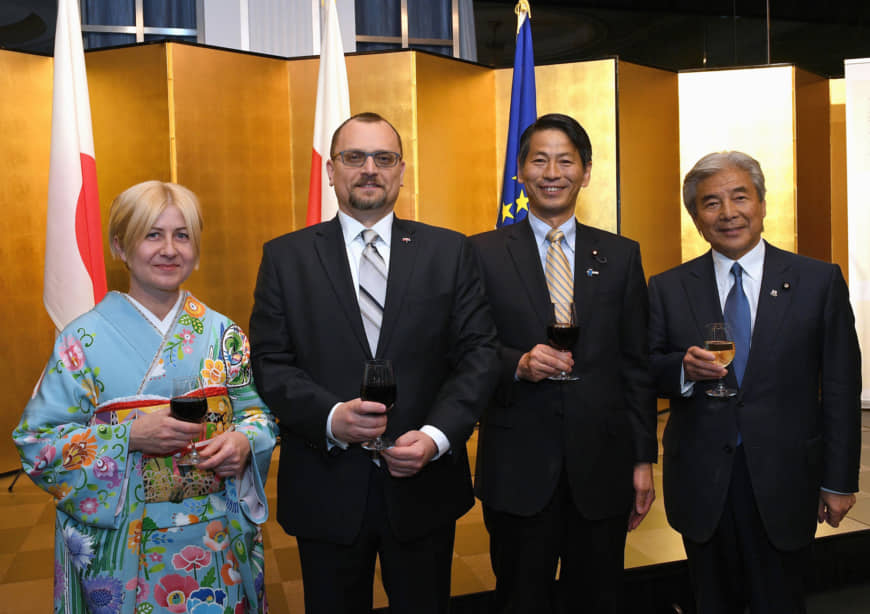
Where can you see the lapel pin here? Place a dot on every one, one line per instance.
(774, 293)
(406, 239)
(786, 285)
(590, 272)
(598, 257)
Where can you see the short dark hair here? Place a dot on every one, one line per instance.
(563, 123)
(365, 117)
(714, 163)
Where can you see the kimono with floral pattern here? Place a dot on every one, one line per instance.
(135, 533)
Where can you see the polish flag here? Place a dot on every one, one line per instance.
(332, 108)
(75, 273)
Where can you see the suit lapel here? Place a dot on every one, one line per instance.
(587, 271)
(702, 293)
(774, 299)
(403, 259)
(332, 253)
(520, 244)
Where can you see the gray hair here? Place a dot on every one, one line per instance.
(713, 163)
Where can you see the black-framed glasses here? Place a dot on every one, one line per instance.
(357, 158)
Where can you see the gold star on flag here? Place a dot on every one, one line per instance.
(506, 212)
(522, 202)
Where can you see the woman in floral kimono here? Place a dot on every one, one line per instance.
(137, 530)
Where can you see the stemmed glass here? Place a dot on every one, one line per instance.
(562, 331)
(717, 339)
(378, 385)
(188, 404)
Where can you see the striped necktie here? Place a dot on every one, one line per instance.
(372, 288)
(558, 272)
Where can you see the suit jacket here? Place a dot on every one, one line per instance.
(798, 409)
(597, 428)
(308, 349)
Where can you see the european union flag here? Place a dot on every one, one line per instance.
(514, 204)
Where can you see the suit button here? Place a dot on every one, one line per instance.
(727, 449)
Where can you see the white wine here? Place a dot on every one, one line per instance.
(724, 351)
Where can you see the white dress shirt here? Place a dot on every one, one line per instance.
(353, 242)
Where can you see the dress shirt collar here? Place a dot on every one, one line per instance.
(752, 263)
(540, 228)
(351, 228)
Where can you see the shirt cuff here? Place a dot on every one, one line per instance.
(686, 387)
(331, 441)
(440, 439)
(835, 492)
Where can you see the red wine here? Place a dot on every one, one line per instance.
(188, 409)
(379, 393)
(563, 336)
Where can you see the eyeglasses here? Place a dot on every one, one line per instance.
(357, 158)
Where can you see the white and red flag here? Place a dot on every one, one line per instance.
(332, 108)
(75, 272)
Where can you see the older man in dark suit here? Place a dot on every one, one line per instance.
(747, 476)
(367, 284)
(564, 467)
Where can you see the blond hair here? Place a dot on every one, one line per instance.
(135, 210)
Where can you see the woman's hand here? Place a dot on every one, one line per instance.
(160, 434)
(226, 454)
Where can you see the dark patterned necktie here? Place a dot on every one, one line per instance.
(739, 321)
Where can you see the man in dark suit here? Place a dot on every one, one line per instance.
(746, 477)
(318, 316)
(564, 468)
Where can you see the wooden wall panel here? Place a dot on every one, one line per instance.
(25, 136)
(649, 163)
(837, 164)
(813, 176)
(232, 142)
(456, 146)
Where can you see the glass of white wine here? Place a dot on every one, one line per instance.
(717, 339)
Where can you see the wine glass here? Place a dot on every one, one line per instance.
(562, 332)
(717, 339)
(379, 385)
(188, 404)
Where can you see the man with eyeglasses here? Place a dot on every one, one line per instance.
(329, 297)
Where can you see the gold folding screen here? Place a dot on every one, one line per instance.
(237, 129)
(25, 129)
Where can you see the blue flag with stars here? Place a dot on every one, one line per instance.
(513, 206)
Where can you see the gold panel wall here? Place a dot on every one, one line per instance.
(839, 213)
(232, 144)
(751, 110)
(587, 92)
(25, 135)
(129, 108)
(456, 144)
(649, 163)
(813, 175)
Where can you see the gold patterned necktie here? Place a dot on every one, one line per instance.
(558, 272)
(372, 288)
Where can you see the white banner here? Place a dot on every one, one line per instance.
(858, 195)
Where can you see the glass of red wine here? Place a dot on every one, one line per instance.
(378, 385)
(562, 332)
(188, 404)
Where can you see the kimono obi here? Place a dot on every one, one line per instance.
(162, 476)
